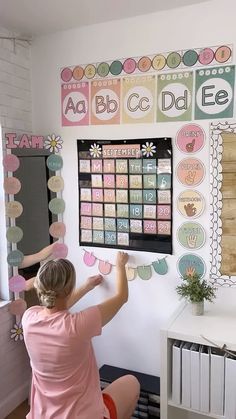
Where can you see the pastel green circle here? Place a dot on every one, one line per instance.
(191, 235)
(14, 234)
(103, 69)
(190, 57)
(116, 68)
(173, 60)
(54, 162)
(15, 258)
(57, 205)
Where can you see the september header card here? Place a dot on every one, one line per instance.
(125, 194)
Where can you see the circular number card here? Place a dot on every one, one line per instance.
(190, 203)
(190, 172)
(189, 264)
(191, 235)
(190, 138)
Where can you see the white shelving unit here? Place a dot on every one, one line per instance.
(218, 324)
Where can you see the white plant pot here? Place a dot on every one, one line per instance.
(198, 308)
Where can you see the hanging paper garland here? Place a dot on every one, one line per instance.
(144, 271)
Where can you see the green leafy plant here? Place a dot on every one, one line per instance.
(195, 289)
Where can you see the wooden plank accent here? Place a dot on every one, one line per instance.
(228, 251)
(228, 214)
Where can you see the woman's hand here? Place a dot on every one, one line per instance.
(121, 259)
(93, 281)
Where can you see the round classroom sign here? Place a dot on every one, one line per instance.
(190, 264)
(12, 185)
(17, 283)
(190, 138)
(191, 235)
(14, 234)
(14, 209)
(15, 258)
(57, 205)
(54, 162)
(190, 203)
(190, 172)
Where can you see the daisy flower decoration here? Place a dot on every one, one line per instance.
(95, 150)
(148, 149)
(53, 143)
(17, 332)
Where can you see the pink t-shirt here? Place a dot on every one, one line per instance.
(65, 377)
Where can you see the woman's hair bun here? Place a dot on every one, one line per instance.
(48, 298)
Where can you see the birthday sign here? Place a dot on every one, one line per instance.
(125, 190)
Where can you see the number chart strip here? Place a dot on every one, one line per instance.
(125, 194)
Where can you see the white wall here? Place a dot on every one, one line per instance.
(15, 116)
(131, 340)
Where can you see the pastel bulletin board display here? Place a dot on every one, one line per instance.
(125, 194)
(158, 88)
(14, 209)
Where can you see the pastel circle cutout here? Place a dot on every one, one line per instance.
(144, 64)
(57, 205)
(15, 258)
(17, 307)
(54, 162)
(173, 60)
(190, 172)
(223, 54)
(60, 251)
(190, 57)
(190, 138)
(12, 185)
(159, 62)
(66, 74)
(13, 209)
(103, 69)
(57, 230)
(78, 73)
(14, 234)
(190, 203)
(90, 71)
(56, 184)
(206, 56)
(17, 283)
(116, 68)
(11, 162)
(129, 65)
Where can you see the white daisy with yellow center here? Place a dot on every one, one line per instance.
(95, 150)
(53, 143)
(17, 332)
(148, 149)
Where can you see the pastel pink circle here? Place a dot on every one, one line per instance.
(190, 138)
(206, 56)
(190, 172)
(18, 307)
(11, 162)
(57, 230)
(66, 74)
(17, 283)
(129, 65)
(12, 185)
(60, 251)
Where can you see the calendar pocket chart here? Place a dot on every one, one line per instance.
(125, 194)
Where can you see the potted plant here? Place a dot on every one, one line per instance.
(196, 290)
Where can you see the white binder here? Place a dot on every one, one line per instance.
(186, 377)
(204, 379)
(217, 382)
(195, 376)
(230, 387)
(176, 371)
